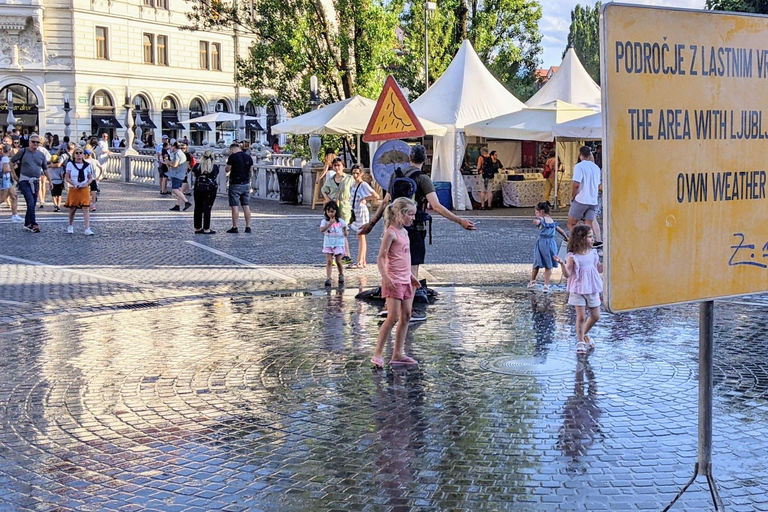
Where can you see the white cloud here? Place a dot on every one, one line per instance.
(556, 19)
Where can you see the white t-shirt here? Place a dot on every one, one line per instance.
(74, 173)
(589, 176)
(363, 192)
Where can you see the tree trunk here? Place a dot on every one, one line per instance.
(461, 22)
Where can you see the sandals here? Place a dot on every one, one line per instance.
(531, 284)
(581, 348)
(589, 342)
(405, 361)
(377, 362)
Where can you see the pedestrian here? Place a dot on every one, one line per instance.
(338, 188)
(177, 169)
(102, 149)
(335, 230)
(583, 269)
(79, 176)
(97, 170)
(161, 151)
(7, 183)
(32, 165)
(545, 250)
(238, 168)
(397, 280)
(491, 167)
(425, 195)
(116, 141)
(549, 173)
(586, 187)
(361, 193)
(206, 173)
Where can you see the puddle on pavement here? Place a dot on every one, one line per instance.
(270, 402)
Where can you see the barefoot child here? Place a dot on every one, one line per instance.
(584, 284)
(335, 230)
(545, 251)
(397, 281)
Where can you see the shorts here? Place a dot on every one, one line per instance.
(336, 251)
(94, 186)
(163, 171)
(175, 183)
(401, 291)
(418, 246)
(580, 211)
(486, 184)
(240, 194)
(590, 300)
(57, 189)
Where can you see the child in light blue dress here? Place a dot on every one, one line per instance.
(545, 251)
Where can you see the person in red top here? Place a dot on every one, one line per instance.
(397, 280)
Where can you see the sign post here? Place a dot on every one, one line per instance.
(684, 96)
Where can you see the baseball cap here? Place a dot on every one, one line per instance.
(87, 151)
(164, 136)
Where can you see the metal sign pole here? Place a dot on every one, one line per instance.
(704, 464)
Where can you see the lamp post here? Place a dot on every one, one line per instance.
(428, 8)
(67, 120)
(11, 119)
(314, 103)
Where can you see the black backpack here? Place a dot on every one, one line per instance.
(404, 185)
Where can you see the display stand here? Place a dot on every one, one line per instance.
(704, 464)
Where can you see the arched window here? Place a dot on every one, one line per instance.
(252, 126)
(197, 130)
(171, 125)
(24, 106)
(103, 118)
(143, 118)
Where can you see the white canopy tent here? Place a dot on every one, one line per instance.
(465, 93)
(346, 117)
(583, 128)
(534, 123)
(570, 83)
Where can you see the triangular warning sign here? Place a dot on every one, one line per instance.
(392, 118)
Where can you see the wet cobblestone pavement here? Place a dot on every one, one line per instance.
(139, 371)
(269, 403)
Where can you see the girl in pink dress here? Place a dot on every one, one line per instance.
(397, 281)
(585, 284)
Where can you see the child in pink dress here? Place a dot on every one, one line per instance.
(397, 281)
(585, 284)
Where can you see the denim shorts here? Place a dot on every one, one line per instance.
(175, 183)
(240, 194)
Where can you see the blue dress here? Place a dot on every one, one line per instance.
(546, 247)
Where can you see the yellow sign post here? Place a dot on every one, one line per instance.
(685, 117)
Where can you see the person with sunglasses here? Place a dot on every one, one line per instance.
(79, 175)
(33, 164)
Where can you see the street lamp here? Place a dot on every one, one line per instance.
(428, 8)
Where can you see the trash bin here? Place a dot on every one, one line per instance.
(443, 191)
(289, 185)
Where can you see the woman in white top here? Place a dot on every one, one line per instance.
(361, 194)
(79, 176)
(7, 183)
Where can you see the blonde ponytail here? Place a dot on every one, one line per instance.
(398, 207)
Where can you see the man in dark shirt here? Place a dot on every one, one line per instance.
(239, 166)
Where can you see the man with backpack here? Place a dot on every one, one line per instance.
(411, 182)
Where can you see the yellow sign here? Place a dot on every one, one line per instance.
(685, 166)
(392, 118)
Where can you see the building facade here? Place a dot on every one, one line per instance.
(106, 55)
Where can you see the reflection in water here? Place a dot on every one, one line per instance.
(334, 323)
(581, 419)
(398, 403)
(544, 324)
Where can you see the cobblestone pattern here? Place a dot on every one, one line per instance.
(269, 403)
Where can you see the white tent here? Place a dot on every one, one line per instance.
(570, 83)
(346, 117)
(465, 93)
(583, 128)
(529, 124)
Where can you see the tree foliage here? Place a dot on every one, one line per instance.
(351, 45)
(584, 38)
(504, 33)
(752, 6)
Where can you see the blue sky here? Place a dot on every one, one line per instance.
(556, 18)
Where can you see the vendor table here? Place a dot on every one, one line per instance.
(474, 183)
(529, 192)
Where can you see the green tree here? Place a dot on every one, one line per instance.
(504, 33)
(753, 6)
(348, 44)
(584, 38)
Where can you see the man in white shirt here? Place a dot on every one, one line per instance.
(102, 152)
(586, 184)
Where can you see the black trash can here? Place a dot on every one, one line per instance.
(289, 185)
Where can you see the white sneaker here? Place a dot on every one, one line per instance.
(89, 232)
(16, 218)
(70, 229)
